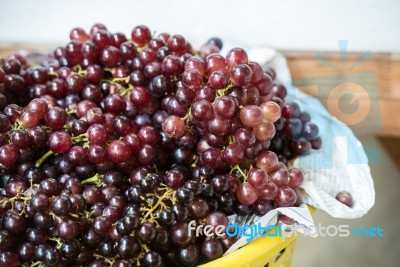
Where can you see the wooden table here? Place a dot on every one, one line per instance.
(304, 66)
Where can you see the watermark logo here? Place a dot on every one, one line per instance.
(349, 91)
(282, 231)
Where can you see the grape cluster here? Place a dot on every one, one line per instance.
(111, 146)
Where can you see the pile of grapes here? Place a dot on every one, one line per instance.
(111, 146)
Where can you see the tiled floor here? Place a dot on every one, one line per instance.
(356, 251)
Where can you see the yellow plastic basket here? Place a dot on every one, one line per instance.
(263, 252)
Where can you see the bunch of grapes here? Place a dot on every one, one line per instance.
(111, 146)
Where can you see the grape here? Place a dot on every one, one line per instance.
(174, 179)
(214, 62)
(218, 79)
(296, 178)
(236, 56)
(241, 74)
(192, 79)
(118, 151)
(262, 207)
(316, 144)
(202, 110)
(233, 154)
(267, 160)
(212, 249)
(147, 56)
(271, 111)
(9, 259)
(264, 131)
(195, 63)
(257, 72)
(212, 157)
(198, 208)
(244, 137)
(291, 110)
(141, 35)
(180, 236)
(8, 154)
(177, 43)
(224, 107)
(184, 195)
(280, 177)
(251, 116)
(188, 256)
(345, 198)
(300, 147)
(67, 230)
(218, 126)
(246, 194)
(147, 232)
(59, 142)
(310, 131)
(173, 126)
(29, 118)
(152, 259)
(128, 246)
(293, 128)
(269, 191)
(217, 218)
(285, 197)
(14, 223)
(258, 178)
(61, 205)
(219, 183)
(39, 106)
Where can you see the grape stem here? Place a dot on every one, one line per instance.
(108, 260)
(36, 263)
(70, 111)
(94, 180)
(80, 71)
(126, 91)
(88, 214)
(242, 173)
(11, 200)
(188, 116)
(222, 92)
(18, 125)
(167, 194)
(58, 241)
(40, 161)
(80, 138)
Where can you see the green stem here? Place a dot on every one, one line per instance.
(95, 180)
(40, 161)
(222, 92)
(58, 241)
(80, 138)
(188, 116)
(242, 173)
(36, 263)
(126, 91)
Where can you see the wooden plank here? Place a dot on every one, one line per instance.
(304, 65)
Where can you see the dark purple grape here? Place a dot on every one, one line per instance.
(212, 249)
(345, 198)
(180, 236)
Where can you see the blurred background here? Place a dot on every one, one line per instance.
(307, 32)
